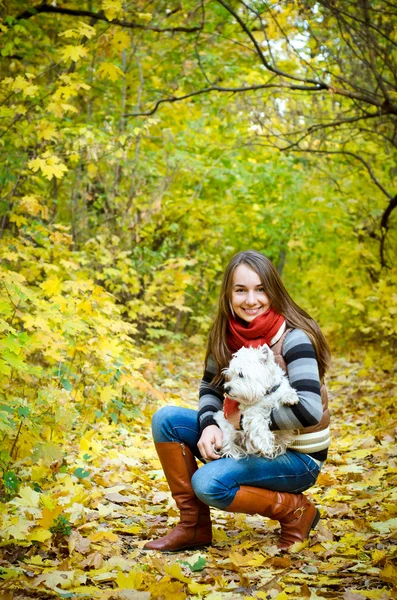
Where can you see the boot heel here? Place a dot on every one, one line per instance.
(315, 521)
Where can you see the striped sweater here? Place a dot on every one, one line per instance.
(300, 358)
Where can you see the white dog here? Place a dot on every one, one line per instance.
(259, 385)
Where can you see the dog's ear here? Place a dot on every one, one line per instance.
(265, 350)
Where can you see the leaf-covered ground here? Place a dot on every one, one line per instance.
(76, 529)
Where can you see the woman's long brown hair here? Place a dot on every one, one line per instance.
(280, 300)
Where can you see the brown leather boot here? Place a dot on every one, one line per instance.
(296, 514)
(194, 528)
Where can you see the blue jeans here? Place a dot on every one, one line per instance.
(217, 482)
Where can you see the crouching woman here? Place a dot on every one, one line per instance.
(254, 309)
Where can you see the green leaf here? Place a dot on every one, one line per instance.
(11, 482)
(6, 574)
(66, 385)
(81, 473)
(199, 565)
(15, 361)
(23, 411)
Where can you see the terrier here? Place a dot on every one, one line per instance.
(258, 384)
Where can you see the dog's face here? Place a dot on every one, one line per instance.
(250, 374)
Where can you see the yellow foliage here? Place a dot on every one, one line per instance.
(132, 581)
(175, 571)
(74, 52)
(120, 40)
(112, 8)
(49, 164)
(48, 516)
(47, 131)
(27, 497)
(104, 535)
(83, 30)
(39, 534)
(22, 84)
(110, 71)
(32, 205)
(52, 286)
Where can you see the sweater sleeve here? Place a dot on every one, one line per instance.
(210, 396)
(303, 375)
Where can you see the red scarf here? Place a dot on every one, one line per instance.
(257, 332)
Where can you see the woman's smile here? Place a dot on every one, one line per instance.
(249, 298)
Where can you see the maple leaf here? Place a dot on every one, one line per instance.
(52, 286)
(175, 571)
(32, 205)
(111, 8)
(389, 573)
(49, 164)
(39, 534)
(69, 33)
(49, 515)
(54, 579)
(27, 497)
(17, 529)
(74, 52)
(20, 84)
(86, 30)
(110, 71)
(18, 219)
(133, 580)
(385, 526)
(47, 131)
(121, 41)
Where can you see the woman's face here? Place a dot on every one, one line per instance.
(248, 295)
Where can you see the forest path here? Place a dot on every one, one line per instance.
(113, 497)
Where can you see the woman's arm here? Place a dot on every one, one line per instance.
(303, 375)
(210, 396)
(210, 401)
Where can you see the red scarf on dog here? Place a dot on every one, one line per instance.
(257, 332)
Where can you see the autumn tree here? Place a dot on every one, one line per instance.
(150, 130)
(325, 84)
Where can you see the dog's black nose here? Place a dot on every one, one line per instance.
(227, 388)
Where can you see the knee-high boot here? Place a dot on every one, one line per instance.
(296, 514)
(194, 528)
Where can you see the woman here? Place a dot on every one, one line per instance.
(254, 308)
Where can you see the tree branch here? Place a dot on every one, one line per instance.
(339, 123)
(384, 224)
(231, 90)
(269, 67)
(100, 16)
(335, 10)
(347, 153)
(371, 48)
(320, 85)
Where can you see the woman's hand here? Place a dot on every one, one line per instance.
(210, 438)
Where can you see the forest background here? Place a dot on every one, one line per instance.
(142, 145)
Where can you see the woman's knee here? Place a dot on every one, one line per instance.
(163, 422)
(212, 490)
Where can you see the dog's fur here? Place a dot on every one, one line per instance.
(250, 377)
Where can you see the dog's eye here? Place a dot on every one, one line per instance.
(240, 374)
